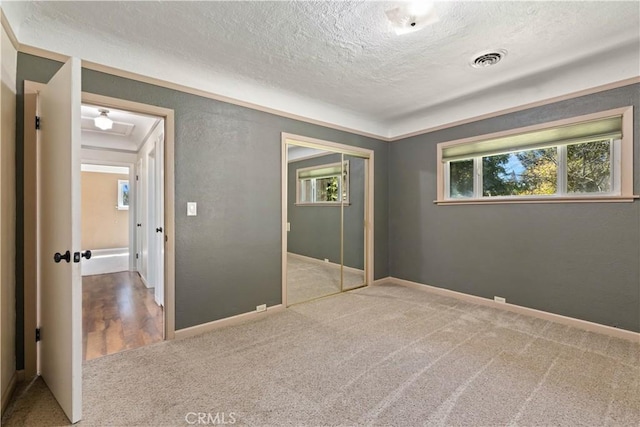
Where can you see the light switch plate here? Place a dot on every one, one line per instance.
(192, 209)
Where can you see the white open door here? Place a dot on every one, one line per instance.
(139, 217)
(160, 241)
(151, 219)
(60, 347)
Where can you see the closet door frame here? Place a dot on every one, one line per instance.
(368, 156)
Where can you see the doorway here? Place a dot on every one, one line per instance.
(122, 305)
(34, 215)
(327, 218)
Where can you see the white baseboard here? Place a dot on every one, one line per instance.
(319, 261)
(473, 299)
(104, 261)
(228, 321)
(155, 299)
(144, 281)
(11, 388)
(558, 318)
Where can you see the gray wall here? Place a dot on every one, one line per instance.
(228, 258)
(578, 260)
(315, 230)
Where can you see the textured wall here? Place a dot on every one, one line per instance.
(103, 226)
(228, 258)
(315, 230)
(578, 260)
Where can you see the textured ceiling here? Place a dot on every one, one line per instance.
(341, 62)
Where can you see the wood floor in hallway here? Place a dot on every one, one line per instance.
(118, 313)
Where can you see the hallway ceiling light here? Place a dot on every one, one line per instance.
(412, 16)
(103, 121)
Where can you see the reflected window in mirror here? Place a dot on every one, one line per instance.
(326, 184)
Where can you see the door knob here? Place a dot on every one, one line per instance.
(78, 255)
(58, 257)
(139, 225)
(159, 230)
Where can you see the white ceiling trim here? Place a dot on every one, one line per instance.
(547, 101)
(31, 50)
(108, 69)
(612, 69)
(119, 170)
(619, 68)
(222, 88)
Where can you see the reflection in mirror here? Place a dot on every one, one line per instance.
(353, 229)
(314, 186)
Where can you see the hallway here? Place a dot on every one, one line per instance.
(118, 313)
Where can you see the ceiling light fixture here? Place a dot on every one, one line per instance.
(412, 16)
(103, 121)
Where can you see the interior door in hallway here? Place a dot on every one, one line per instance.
(139, 219)
(60, 348)
(159, 215)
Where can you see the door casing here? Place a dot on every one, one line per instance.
(31, 152)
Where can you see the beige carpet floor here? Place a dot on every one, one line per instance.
(381, 355)
(308, 280)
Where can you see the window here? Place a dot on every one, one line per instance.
(325, 184)
(123, 194)
(588, 157)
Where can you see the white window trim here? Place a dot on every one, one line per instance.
(621, 166)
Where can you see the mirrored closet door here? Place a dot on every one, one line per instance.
(353, 235)
(325, 223)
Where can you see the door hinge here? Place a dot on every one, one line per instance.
(137, 256)
(137, 178)
(37, 334)
(37, 122)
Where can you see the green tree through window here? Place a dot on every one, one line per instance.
(535, 172)
(589, 167)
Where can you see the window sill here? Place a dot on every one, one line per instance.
(579, 199)
(334, 204)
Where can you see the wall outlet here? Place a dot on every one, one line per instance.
(326, 260)
(262, 307)
(500, 300)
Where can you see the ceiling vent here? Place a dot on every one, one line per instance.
(488, 58)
